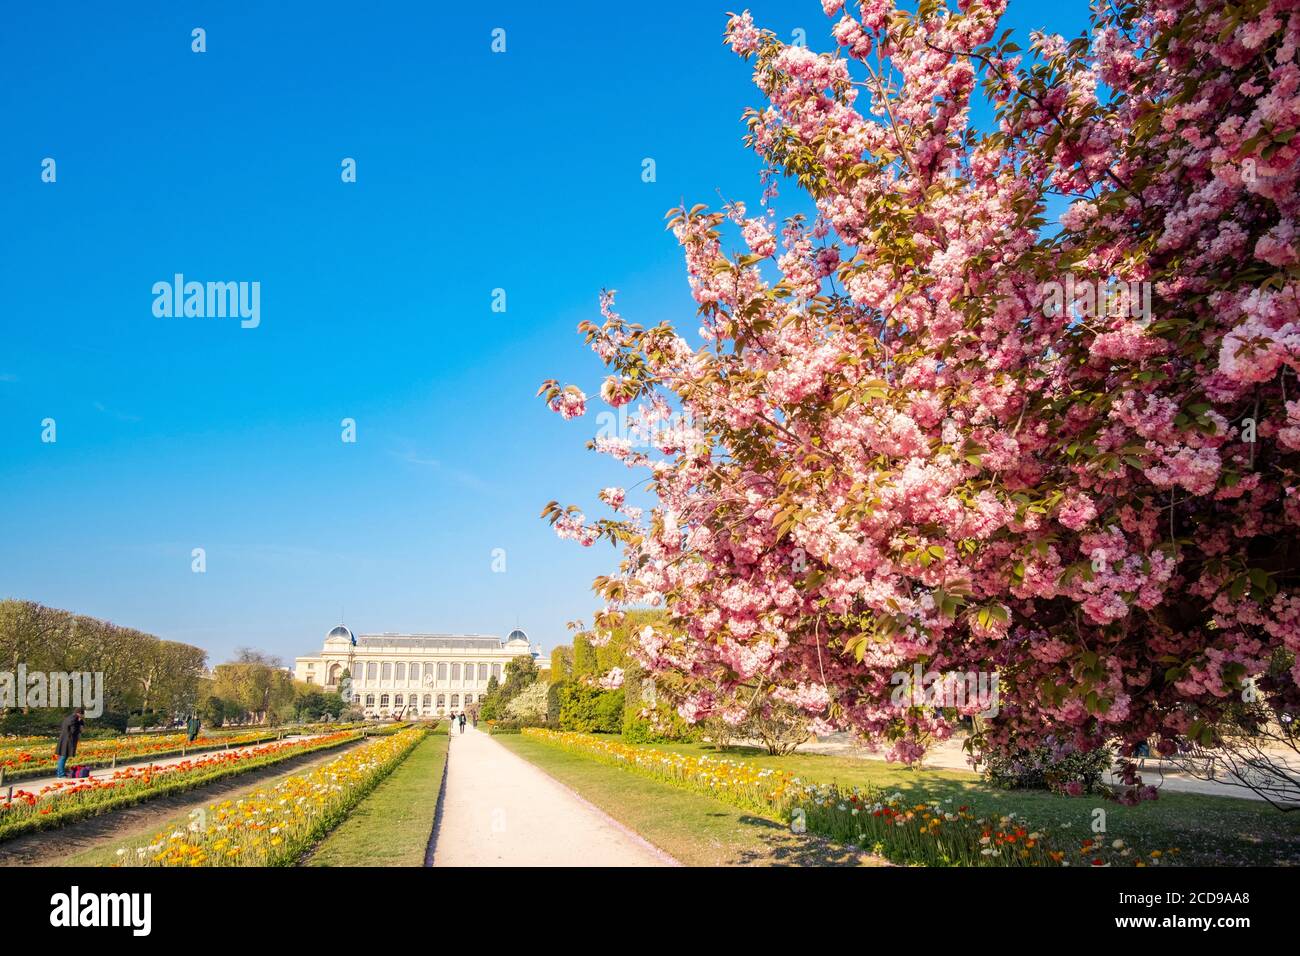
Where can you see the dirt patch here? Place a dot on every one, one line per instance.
(56, 847)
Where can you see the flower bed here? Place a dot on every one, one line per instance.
(74, 799)
(20, 762)
(276, 825)
(928, 833)
(35, 756)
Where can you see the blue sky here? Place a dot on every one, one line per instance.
(475, 171)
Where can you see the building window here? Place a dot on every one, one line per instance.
(455, 701)
(442, 701)
(442, 671)
(482, 673)
(428, 671)
(496, 672)
(428, 701)
(385, 671)
(397, 701)
(372, 671)
(383, 700)
(401, 670)
(356, 698)
(455, 671)
(469, 699)
(370, 700)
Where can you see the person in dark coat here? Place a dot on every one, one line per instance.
(462, 722)
(69, 734)
(192, 728)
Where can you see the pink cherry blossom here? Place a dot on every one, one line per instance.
(881, 451)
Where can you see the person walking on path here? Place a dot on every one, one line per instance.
(69, 734)
(462, 723)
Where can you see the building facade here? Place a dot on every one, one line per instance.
(411, 675)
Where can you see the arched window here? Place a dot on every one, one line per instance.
(372, 670)
(428, 701)
(386, 671)
(370, 700)
(442, 671)
(356, 698)
(455, 671)
(455, 701)
(383, 700)
(469, 699)
(397, 701)
(496, 672)
(482, 673)
(401, 670)
(428, 671)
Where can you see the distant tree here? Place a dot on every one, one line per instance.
(311, 705)
(490, 703)
(585, 663)
(141, 672)
(520, 672)
(214, 711)
(256, 682)
(555, 700)
(561, 664)
(529, 705)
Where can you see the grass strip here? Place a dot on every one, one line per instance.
(392, 826)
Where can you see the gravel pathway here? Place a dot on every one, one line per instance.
(499, 810)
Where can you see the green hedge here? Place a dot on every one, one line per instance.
(45, 723)
(667, 728)
(590, 710)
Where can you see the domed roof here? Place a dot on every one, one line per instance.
(341, 633)
(517, 635)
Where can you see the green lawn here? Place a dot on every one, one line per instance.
(1207, 830)
(392, 826)
(693, 829)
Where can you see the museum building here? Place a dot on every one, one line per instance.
(411, 675)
